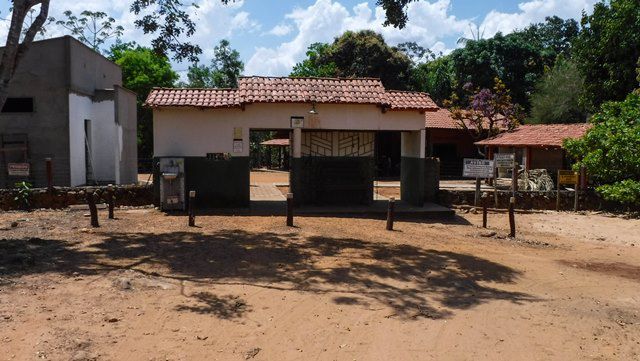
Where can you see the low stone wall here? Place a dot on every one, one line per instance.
(62, 197)
(532, 200)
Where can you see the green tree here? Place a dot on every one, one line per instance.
(609, 151)
(142, 70)
(313, 65)
(555, 35)
(607, 50)
(93, 28)
(434, 77)
(224, 71)
(556, 98)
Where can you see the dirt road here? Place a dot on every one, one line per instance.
(146, 287)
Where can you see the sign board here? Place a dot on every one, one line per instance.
(567, 177)
(237, 133)
(504, 160)
(477, 168)
(297, 122)
(237, 146)
(18, 169)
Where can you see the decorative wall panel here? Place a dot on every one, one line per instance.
(338, 144)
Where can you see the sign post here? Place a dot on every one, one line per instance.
(567, 177)
(501, 160)
(478, 169)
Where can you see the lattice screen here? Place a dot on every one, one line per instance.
(343, 144)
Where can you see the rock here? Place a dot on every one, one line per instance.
(252, 353)
(14, 224)
(112, 319)
(123, 283)
(82, 355)
(487, 234)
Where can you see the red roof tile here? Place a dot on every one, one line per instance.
(277, 142)
(441, 119)
(293, 90)
(537, 135)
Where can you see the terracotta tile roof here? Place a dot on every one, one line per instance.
(208, 98)
(442, 119)
(277, 142)
(538, 135)
(293, 90)
(403, 100)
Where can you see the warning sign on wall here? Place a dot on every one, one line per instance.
(18, 169)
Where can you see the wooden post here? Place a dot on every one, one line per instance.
(192, 206)
(558, 193)
(49, 173)
(289, 209)
(111, 202)
(484, 211)
(391, 213)
(93, 210)
(575, 195)
(495, 187)
(512, 219)
(514, 179)
(476, 198)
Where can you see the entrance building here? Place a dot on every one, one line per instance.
(332, 125)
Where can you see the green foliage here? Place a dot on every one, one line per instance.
(224, 71)
(625, 192)
(395, 12)
(610, 149)
(556, 98)
(93, 28)
(313, 65)
(358, 54)
(554, 36)
(607, 50)
(434, 77)
(142, 70)
(23, 197)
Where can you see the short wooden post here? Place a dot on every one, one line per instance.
(93, 210)
(558, 193)
(391, 213)
(192, 206)
(495, 187)
(484, 211)
(289, 209)
(111, 202)
(49, 173)
(512, 218)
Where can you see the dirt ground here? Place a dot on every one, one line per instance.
(147, 287)
(268, 176)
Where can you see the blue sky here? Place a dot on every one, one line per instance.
(272, 35)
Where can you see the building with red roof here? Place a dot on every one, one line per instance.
(536, 146)
(333, 126)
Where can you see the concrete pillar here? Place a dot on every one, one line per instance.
(295, 166)
(412, 167)
(297, 143)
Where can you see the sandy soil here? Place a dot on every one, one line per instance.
(147, 287)
(268, 176)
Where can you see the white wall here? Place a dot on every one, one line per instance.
(80, 108)
(195, 132)
(103, 139)
(103, 133)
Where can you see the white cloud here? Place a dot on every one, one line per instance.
(532, 12)
(280, 30)
(429, 22)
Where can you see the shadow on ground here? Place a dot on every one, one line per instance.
(413, 281)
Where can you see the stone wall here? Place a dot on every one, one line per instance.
(62, 197)
(532, 200)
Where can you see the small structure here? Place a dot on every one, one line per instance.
(448, 141)
(66, 102)
(282, 148)
(537, 146)
(332, 125)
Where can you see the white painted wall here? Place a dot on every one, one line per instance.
(413, 144)
(195, 132)
(80, 108)
(103, 139)
(104, 133)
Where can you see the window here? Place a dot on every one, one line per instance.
(18, 105)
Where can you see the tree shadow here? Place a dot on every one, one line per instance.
(225, 307)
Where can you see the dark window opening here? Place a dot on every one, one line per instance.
(18, 105)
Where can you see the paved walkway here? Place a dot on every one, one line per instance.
(265, 192)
